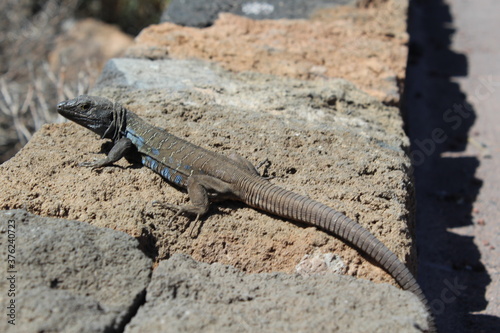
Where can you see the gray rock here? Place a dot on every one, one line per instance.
(188, 296)
(201, 13)
(170, 75)
(69, 276)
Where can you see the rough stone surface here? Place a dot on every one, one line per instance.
(188, 296)
(324, 139)
(367, 46)
(69, 275)
(201, 13)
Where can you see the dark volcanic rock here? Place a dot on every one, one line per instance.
(201, 13)
(69, 276)
(188, 296)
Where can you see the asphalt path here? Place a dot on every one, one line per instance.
(452, 111)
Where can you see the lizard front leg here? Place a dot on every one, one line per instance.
(119, 150)
(198, 188)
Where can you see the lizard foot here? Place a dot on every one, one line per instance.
(267, 163)
(96, 164)
(177, 209)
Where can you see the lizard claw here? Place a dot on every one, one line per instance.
(94, 164)
(176, 208)
(86, 164)
(261, 163)
(267, 163)
(170, 207)
(178, 211)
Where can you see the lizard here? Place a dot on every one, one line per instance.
(207, 175)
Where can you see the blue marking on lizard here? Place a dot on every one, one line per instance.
(178, 179)
(150, 162)
(166, 172)
(136, 139)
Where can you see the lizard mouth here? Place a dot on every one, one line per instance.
(66, 110)
(81, 118)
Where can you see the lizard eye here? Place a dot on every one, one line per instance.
(86, 106)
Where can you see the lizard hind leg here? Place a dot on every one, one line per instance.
(198, 188)
(247, 165)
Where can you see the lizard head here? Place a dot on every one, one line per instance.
(95, 113)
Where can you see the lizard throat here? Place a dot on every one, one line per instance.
(117, 125)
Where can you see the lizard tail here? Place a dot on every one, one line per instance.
(276, 200)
